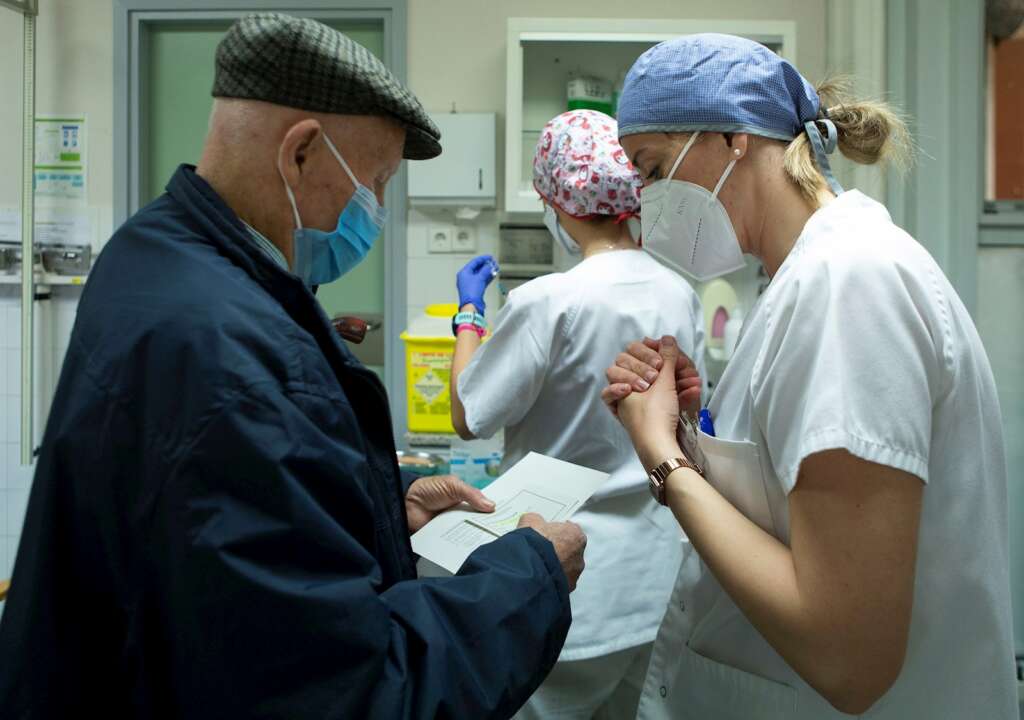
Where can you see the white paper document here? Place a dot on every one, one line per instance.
(60, 162)
(66, 225)
(552, 488)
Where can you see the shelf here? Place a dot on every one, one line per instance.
(431, 440)
(542, 52)
(45, 279)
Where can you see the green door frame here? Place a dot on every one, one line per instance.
(133, 20)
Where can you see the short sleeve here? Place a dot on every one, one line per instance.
(848, 362)
(504, 378)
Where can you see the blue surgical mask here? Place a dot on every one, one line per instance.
(322, 257)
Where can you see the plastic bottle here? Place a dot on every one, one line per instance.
(731, 333)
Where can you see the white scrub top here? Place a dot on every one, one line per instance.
(858, 343)
(540, 377)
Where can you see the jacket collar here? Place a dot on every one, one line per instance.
(221, 227)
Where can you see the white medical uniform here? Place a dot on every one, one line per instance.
(540, 377)
(859, 343)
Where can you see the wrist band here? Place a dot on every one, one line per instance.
(470, 326)
(469, 318)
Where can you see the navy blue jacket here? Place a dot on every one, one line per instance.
(217, 528)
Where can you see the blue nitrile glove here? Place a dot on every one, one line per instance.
(473, 279)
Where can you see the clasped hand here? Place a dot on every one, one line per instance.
(651, 382)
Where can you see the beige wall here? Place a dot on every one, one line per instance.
(74, 74)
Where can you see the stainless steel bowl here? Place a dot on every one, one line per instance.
(67, 259)
(10, 261)
(10, 258)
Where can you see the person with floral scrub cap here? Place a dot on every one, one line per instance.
(846, 489)
(539, 377)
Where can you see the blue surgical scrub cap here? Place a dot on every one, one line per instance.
(723, 83)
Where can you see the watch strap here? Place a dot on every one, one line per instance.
(659, 474)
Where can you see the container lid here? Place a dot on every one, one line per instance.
(445, 310)
(436, 322)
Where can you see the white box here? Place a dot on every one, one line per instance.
(464, 173)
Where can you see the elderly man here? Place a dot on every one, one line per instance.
(217, 525)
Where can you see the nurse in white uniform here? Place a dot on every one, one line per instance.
(540, 376)
(849, 514)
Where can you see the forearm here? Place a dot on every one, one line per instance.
(466, 343)
(517, 595)
(757, 571)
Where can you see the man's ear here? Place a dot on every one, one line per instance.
(294, 149)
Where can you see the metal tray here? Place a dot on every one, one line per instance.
(67, 259)
(10, 258)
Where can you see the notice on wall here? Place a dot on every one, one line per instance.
(65, 226)
(60, 163)
(55, 225)
(10, 225)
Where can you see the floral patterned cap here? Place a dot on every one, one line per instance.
(580, 168)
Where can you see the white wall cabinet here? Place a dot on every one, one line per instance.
(464, 174)
(542, 52)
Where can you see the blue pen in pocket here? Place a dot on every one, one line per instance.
(706, 426)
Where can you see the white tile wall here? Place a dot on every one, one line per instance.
(431, 277)
(53, 322)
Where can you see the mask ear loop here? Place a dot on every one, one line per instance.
(291, 196)
(725, 176)
(682, 154)
(341, 160)
(380, 214)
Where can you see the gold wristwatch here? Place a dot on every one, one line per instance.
(657, 476)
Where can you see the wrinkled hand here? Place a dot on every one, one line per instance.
(639, 366)
(569, 542)
(473, 279)
(429, 496)
(651, 417)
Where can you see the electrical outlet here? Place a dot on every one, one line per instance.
(464, 240)
(439, 238)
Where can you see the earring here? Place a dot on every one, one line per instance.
(736, 152)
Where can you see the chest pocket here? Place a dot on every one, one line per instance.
(705, 687)
(733, 468)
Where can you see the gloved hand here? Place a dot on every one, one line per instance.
(473, 279)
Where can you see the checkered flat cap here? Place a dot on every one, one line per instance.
(301, 63)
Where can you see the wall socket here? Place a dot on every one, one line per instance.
(464, 239)
(439, 238)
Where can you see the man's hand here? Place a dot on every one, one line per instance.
(431, 495)
(638, 367)
(569, 542)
